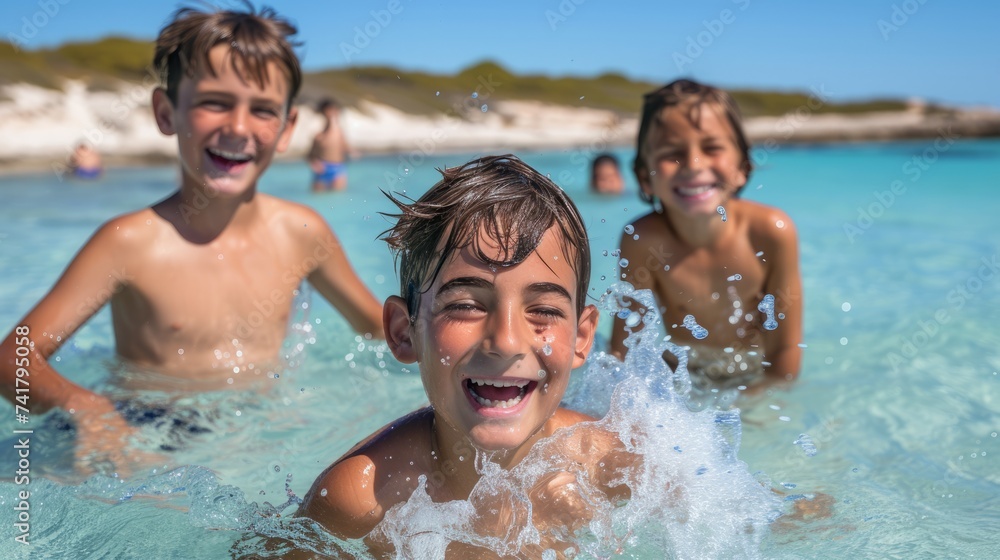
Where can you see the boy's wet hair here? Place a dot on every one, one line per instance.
(256, 39)
(602, 159)
(502, 195)
(692, 96)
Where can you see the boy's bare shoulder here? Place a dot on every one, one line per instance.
(353, 494)
(767, 224)
(296, 219)
(129, 231)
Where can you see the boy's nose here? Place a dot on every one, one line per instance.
(505, 338)
(237, 125)
(694, 159)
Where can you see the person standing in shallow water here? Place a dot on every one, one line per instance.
(213, 269)
(725, 271)
(329, 150)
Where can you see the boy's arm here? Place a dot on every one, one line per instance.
(640, 277)
(336, 280)
(85, 286)
(343, 498)
(781, 345)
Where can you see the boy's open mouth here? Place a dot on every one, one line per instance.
(226, 160)
(498, 393)
(695, 192)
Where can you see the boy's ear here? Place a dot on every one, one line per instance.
(396, 324)
(286, 134)
(163, 112)
(585, 329)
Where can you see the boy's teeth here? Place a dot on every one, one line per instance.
(500, 382)
(235, 156)
(693, 191)
(520, 383)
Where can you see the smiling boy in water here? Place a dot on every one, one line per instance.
(200, 284)
(711, 258)
(494, 267)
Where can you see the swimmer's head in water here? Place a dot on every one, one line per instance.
(257, 39)
(692, 98)
(497, 197)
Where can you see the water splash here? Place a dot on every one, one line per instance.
(699, 503)
(766, 306)
(722, 212)
(807, 445)
(697, 331)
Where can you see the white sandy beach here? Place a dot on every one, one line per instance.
(40, 127)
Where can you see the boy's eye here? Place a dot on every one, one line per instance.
(266, 112)
(213, 105)
(547, 313)
(712, 149)
(464, 309)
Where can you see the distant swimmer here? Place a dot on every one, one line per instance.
(606, 175)
(85, 162)
(329, 150)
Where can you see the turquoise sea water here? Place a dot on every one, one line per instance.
(899, 392)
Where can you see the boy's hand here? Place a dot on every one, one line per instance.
(559, 504)
(101, 435)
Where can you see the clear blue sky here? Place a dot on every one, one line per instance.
(941, 50)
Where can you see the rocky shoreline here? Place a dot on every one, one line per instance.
(39, 128)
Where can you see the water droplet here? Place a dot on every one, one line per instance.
(437, 93)
(722, 212)
(805, 442)
(582, 96)
(843, 341)
(780, 224)
(623, 263)
(277, 468)
(845, 307)
(784, 419)
(633, 320)
(629, 229)
(475, 95)
(541, 374)
(766, 306)
(484, 108)
(697, 331)
(323, 492)
(666, 267)
(180, 351)
(735, 277)
(547, 350)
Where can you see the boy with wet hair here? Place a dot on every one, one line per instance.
(724, 270)
(494, 264)
(200, 284)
